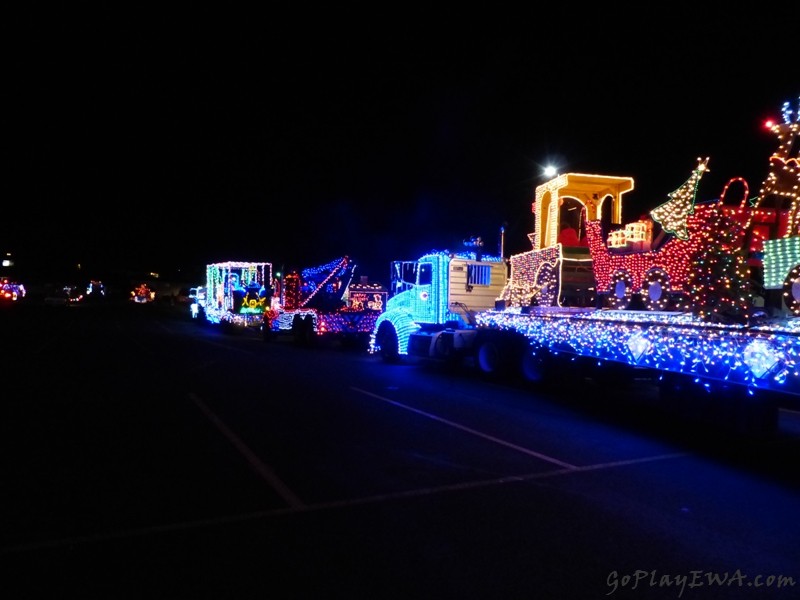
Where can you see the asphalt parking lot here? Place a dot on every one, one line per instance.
(153, 457)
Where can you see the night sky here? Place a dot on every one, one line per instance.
(166, 139)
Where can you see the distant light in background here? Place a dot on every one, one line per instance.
(550, 171)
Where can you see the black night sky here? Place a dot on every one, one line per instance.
(163, 139)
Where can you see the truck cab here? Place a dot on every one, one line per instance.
(434, 300)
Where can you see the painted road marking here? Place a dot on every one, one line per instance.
(320, 506)
(469, 430)
(263, 470)
(296, 506)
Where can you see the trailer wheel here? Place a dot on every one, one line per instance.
(303, 331)
(386, 338)
(310, 333)
(655, 291)
(498, 354)
(489, 358)
(621, 292)
(535, 367)
(791, 291)
(297, 330)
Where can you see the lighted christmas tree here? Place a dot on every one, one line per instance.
(720, 283)
(673, 214)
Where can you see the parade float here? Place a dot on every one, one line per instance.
(700, 296)
(236, 294)
(326, 301)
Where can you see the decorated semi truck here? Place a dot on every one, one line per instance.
(701, 297)
(434, 301)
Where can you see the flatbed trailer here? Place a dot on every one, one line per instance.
(764, 356)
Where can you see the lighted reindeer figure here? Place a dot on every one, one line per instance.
(783, 178)
(782, 184)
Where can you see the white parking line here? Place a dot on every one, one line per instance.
(320, 506)
(263, 470)
(469, 430)
(295, 505)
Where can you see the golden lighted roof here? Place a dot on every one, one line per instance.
(581, 184)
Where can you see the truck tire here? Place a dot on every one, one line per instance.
(489, 358)
(497, 354)
(303, 331)
(386, 338)
(309, 334)
(535, 367)
(297, 330)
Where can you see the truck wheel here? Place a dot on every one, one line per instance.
(303, 331)
(309, 335)
(386, 339)
(497, 356)
(535, 367)
(489, 358)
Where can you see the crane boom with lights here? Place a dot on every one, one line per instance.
(325, 302)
